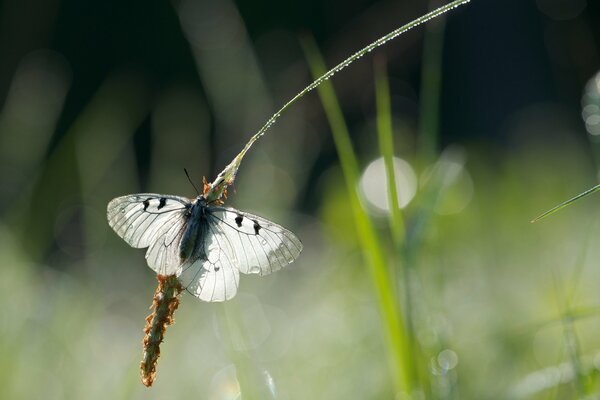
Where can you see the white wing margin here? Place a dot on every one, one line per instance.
(151, 220)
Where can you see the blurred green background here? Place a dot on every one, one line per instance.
(105, 98)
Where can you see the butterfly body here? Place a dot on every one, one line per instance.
(194, 232)
(205, 245)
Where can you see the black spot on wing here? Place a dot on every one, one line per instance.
(162, 203)
(238, 220)
(146, 204)
(256, 227)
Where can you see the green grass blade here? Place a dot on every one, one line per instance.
(431, 83)
(391, 313)
(386, 147)
(566, 203)
(396, 219)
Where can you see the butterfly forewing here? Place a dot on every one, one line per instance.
(151, 220)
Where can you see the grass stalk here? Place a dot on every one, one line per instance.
(391, 313)
(431, 82)
(566, 203)
(386, 148)
(396, 219)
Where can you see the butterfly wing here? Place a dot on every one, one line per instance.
(154, 221)
(214, 274)
(236, 242)
(260, 246)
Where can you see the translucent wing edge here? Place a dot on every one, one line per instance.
(271, 234)
(121, 209)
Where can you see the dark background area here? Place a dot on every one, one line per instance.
(498, 55)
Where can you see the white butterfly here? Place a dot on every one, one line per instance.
(204, 244)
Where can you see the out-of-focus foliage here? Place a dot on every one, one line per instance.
(101, 99)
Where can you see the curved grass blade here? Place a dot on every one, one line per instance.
(566, 203)
(219, 186)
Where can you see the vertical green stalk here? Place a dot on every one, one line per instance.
(391, 313)
(574, 352)
(568, 319)
(428, 146)
(571, 342)
(396, 220)
(431, 83)
(386, 148)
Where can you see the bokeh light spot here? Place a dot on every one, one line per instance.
(373, 184)
(447, 359)
(590, 105)
(225, 385)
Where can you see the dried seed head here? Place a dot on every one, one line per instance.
(164, 304)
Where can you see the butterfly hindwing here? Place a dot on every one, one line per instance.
(214, 273)
(151, 220)
(234, 242)
(259, 245)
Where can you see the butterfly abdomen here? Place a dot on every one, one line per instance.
(191, 237)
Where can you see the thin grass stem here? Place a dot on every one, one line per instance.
(227, 176)
(396, 219)
(566, 203)
(391, 313)
(431, 82)
(386, 148)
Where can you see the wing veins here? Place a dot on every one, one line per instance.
(231, 263)
(275, 235)
(166, 246)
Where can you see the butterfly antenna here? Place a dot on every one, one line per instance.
(190, 179)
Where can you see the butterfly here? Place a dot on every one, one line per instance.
(204, 244)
